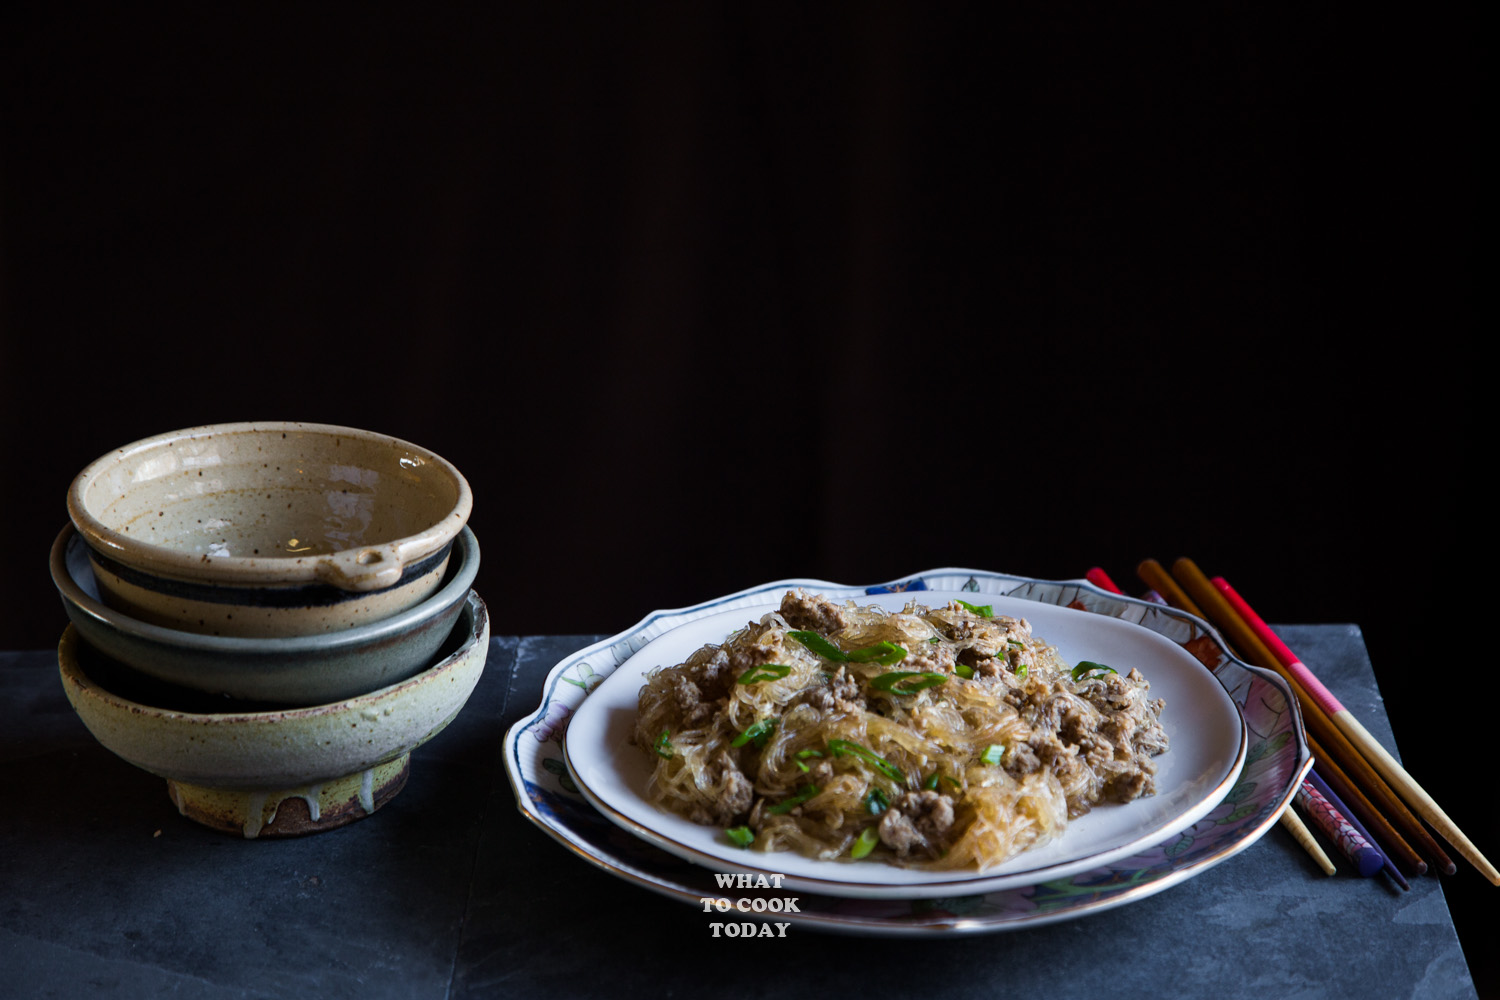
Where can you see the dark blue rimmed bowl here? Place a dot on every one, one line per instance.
(291, 670)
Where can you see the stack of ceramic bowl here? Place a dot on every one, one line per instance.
(270, 616)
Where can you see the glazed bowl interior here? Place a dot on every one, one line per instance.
(269, 503)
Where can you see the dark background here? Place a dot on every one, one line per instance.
(702, 300)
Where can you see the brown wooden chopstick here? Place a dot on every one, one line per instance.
(1218, 611)
(1154, 575)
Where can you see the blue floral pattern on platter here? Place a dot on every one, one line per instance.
(1277, 761)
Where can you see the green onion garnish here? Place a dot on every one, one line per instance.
(1088, 668)
(907, 681)
(992, 754)
(787, 805)
(740, 836)
(841, 748)
(820, 645)
(803, 755)
(931, 782)
(865, 843)
(876, 802)
(983, 610)
(963, 670)
(758, 732)
(768, 672)
(935, 640)
(664, 747)
(1022, 670)
(884, 653)
(1016, 643)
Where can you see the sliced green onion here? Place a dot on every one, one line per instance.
(935, 640)
(983, 610)
(768, 672)
(1022, 669)
(664, 748)
(963, 670)
(992, 754)
(787, 805)
(865, 843)
(876, 802)
(803, 755)
(884, 653)
(818, 644)
(740, 836)
(759, 732)
(1088, 668)
(1016, 643)
(931, 782)
(907, 681)
(841, 748)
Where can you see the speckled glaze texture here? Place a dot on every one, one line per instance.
(294, 670)
(268, 529)
(239, 771)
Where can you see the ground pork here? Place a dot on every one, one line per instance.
(814, 614)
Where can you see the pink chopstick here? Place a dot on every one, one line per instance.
(1416, 797)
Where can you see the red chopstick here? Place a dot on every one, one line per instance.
(1394, 774)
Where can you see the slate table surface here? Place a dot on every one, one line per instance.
(449, 892)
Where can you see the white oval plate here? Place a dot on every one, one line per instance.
(1207, 734)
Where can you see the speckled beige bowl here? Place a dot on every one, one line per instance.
(268, 529)
(276, 772)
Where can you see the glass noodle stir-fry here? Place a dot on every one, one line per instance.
(948, 738)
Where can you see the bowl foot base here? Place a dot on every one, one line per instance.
(292, 812)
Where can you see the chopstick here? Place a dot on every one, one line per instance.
(1359, 808)
(1288, 818)
(1316, 721)
(1101, 579)
(1396, 846)
(1360, 852)
(1154, 576)
(1319, 802)
(1153, 573)
(1387, 765)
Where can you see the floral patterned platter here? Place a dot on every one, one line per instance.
(1277, 760)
